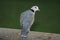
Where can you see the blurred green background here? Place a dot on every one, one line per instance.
(47, 20)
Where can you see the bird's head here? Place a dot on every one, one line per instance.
(35, 8)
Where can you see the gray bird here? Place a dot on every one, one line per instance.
(27, 19)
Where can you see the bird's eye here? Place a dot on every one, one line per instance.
(36, 7)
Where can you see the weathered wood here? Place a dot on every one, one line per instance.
(14, 34)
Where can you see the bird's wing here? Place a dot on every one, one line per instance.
(26, 18)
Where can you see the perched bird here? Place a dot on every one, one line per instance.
(27, 19)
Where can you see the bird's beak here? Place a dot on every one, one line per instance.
(38, 9)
